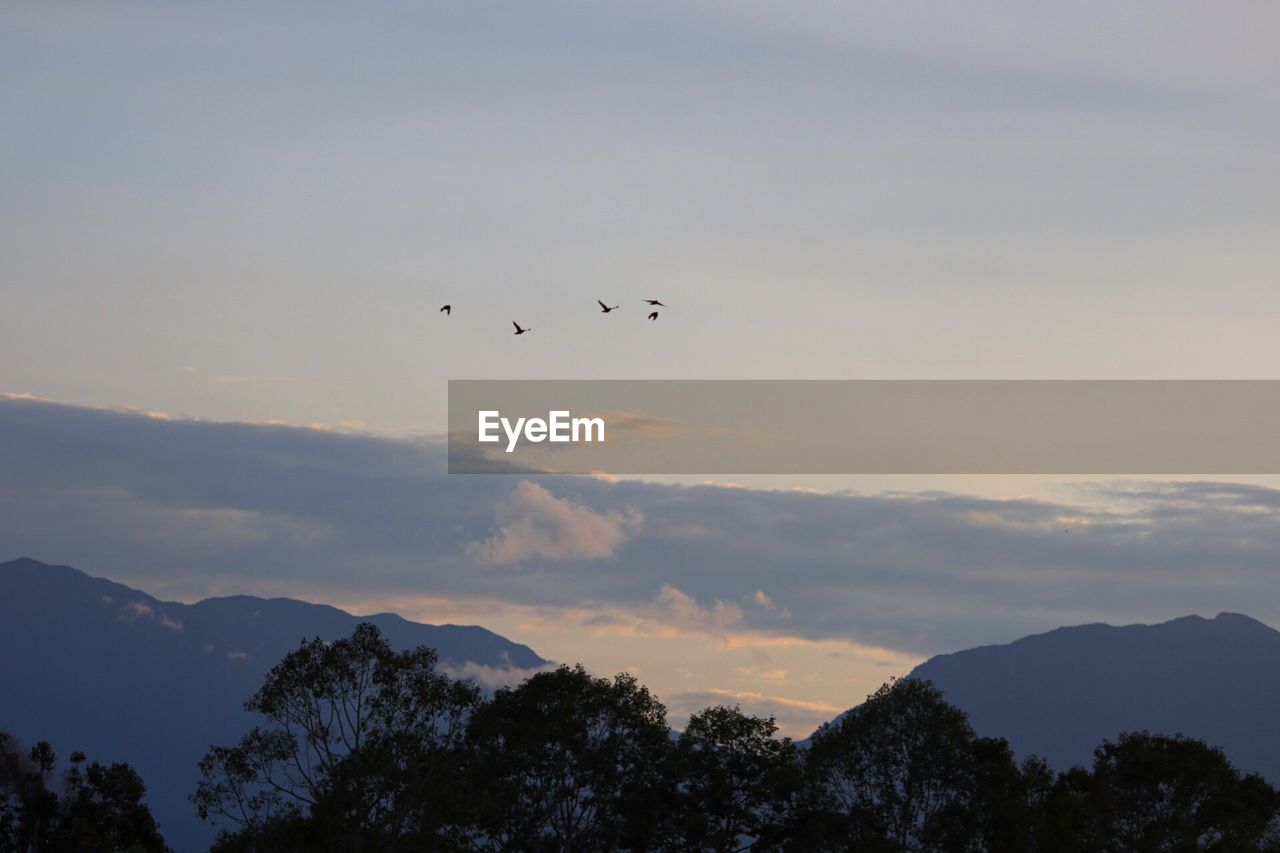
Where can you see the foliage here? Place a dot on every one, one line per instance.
(359, 751)
(100, 807)
(735, 783)
(1152, 792)
(567, 761)
(899, 772)
(364, 748)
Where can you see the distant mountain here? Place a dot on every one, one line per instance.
(92, 665)
(1058, 695)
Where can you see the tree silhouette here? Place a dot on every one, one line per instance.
(1154, 792)
(367, 749)
(100, 808)
(358, 741)
(901, 772)
(735, 783)
(570, 762)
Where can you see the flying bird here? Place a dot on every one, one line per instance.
(655, 302)
(448, 310)
(605, 309)
(653, 316)
(520, 331)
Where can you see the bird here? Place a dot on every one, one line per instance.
(653, 316)
(448, 310)
(605, 309)
(655, 302)
(520, 331)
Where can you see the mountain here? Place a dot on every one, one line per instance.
(93, 665)
(1058, 695)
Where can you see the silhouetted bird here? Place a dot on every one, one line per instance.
(605, 309)
(655, 302)
(520, 331)
(448, 310)
(653, 316)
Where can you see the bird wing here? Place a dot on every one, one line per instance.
(602, 305)
(517, 325)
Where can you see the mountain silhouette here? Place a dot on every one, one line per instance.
(93, 665)
(1059, 694)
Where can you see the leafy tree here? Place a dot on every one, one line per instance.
(735, 782)
(902, 771)
(1149, 792)
(358, 751)
(101, 807)
(569, 762)
(1005, 811)
(366, 749)
(27, 807)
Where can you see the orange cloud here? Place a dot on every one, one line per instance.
(535, 524)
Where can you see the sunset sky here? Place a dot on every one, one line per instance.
(215, 217)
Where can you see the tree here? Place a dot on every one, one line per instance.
(357, 750)
(569, 762)
(27, 807)
(735, 782)
(1005, 810)
(1159, 793)
(901, 772)
(101, 807)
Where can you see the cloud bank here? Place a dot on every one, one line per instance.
(190, 508)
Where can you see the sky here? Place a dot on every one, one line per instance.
(241, 214)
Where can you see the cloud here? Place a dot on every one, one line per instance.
(627, 423)
(135, 610)
(795, 715)
(754, 672)
(194, 507)
(535, 524)
(767, 604)
(493, 677)
(681, 610)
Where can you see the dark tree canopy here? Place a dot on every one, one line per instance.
(1153, 792)
(735, 784)
(366, 749)
(100, 807)
(900, 772)
(358, 751)
(567, 761)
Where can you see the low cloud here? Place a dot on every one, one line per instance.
(493, 677)
(196, 508)
(767, 604)
(135, 610)
(681, 610)
(534, 524)
(795, 715)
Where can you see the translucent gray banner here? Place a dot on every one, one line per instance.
(864, 427)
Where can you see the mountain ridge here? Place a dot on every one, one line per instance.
(124, 676)
(1058, 694)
